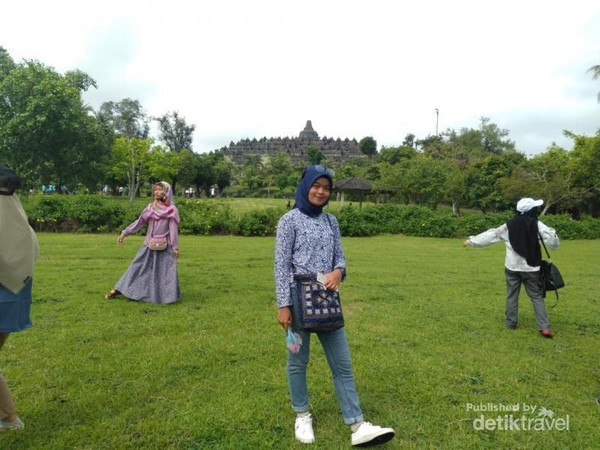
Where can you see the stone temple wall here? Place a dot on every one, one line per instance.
(335, 150)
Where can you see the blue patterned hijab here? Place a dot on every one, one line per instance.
(309, 176)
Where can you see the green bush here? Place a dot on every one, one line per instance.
(421, 221)
(202, 217)
(473, 224)
(95, 214)
(47, 212)
(259, 223)
(411, 220)
(353, 223)
(567, 228)
(77, 213)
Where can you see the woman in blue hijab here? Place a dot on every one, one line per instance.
(309, 243)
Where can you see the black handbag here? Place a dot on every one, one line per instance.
(550, 277)
(318, 309)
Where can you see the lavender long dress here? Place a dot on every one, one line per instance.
(152, 275)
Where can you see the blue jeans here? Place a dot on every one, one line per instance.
(335, 345)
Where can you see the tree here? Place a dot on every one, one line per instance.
(546, 176)
(595, 70)
(368, 146)
(208, 170)
(585, 163)
(315, 155)
(394, 155)
(419, 180)
(175, 132)
(493, 139)
(130, 160)
(222, 168)
(481, 180)
(278, 170)
(424, 180)
(252, 172)
(186, 171)
(46, 131)
(6, 63)
(409, 141)
(126, 118)
(163, 165)
(431, 145)
(455, 190)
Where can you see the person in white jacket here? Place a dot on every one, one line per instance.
(521, 236)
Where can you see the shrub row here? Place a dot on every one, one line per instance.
(95, 214)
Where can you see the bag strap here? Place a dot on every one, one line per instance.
(543, 244)
(332, 232)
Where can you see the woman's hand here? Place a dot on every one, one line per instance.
(120, 238)
(176, 253)
(284, 317)
(333, 280)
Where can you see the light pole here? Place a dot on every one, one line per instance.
(437, 120)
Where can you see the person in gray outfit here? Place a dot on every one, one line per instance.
(521, 236)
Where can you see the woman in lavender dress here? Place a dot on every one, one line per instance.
(152, 275)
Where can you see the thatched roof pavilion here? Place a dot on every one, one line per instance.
(353, 185)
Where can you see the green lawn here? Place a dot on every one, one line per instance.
(425, 324)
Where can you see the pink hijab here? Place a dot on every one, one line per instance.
(163, 211)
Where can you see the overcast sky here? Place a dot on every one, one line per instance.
(251, 68)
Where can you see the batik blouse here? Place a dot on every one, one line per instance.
(305, 246)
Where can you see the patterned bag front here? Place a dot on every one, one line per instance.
(319, 309)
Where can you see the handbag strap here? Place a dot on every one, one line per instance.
(543, 244)
(333, 232)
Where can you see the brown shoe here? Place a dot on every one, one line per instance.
(546, 333)
(113, 293)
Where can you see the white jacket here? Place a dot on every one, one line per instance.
(513, 260)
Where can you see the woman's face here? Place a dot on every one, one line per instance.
(159, 192)
(319, 192)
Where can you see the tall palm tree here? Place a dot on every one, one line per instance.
(595, 75)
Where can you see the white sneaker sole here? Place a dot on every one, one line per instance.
(381, 438)
(305, 440)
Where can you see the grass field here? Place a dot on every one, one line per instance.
(425, 324)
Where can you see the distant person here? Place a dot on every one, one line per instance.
(19, 251)
(523, 260)
(152, 275)
(308, 242)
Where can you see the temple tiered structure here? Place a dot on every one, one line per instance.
(335, 150)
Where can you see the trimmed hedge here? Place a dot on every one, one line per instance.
(98, 214)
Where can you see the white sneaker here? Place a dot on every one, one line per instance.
(304, 429)
(369, 434)
(16, 425)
